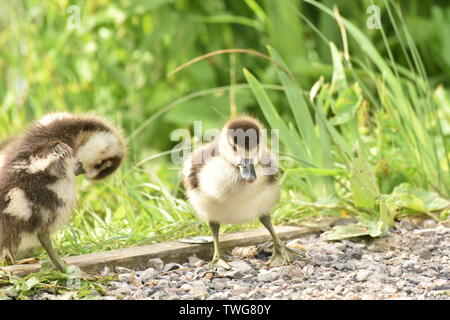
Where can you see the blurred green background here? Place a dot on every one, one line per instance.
(117, 62)
(114, 57)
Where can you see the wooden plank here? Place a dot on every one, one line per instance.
(173, 251)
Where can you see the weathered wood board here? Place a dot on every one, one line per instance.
(173, 251)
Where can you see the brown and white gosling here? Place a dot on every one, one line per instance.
(233, 180)
(37, 178)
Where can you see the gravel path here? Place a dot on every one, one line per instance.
(412, 262)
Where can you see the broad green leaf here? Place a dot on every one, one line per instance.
(372, 222)
(364, 185)
(405, 196)
(387, 215)
(348, 231)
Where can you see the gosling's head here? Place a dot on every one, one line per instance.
(100, 151)
(239, 144)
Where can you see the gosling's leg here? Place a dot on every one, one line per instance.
(218, 260)
(46, 242)
(7, 257)
(282, 255)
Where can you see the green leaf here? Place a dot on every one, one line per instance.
(348, 231)
(406, 197)
(30, 284)
(364, 185)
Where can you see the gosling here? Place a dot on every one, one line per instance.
(233, 180)
(37, 178)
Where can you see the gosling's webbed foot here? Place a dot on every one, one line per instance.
(282, 256)
(219, 263)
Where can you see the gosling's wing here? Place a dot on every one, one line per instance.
(49, 155)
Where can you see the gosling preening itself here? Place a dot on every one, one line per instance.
(233, 180)
(37, 178)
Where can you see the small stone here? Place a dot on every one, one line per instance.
(395, 271)
(125, 290)
(296, 272)
(199, 291)
(244, 252)
(171, 266)
(125, 277)
(117, 285)
(429, 223)
(376, 248)
(406, 225)
(163, 283)
(10, 292)
(148, 275)
(363, 275)
(123, 270)
(355, 254)
(196, 262)
(186, 287)
(156, 264)
(267, 276)
(425, 254)
(389, 289)
(241, 266)
(240, 291)
(219, 296)
(342, 266)
(219, 284)
(278, 296)
(235, 274)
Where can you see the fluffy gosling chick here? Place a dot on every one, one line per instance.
(37, 178)
(233, 180)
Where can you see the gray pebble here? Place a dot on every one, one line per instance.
(425, 254)
(429, 223)
(363, 275)
(123, 270)
(266, 276)
(171, 266)
(125, 277)
(148, 275)
(156, 264)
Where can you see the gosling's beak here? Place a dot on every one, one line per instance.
(79, 169)
(247, 170)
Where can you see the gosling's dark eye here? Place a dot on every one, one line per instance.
(98, 165)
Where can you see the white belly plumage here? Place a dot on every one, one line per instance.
(222, 199)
